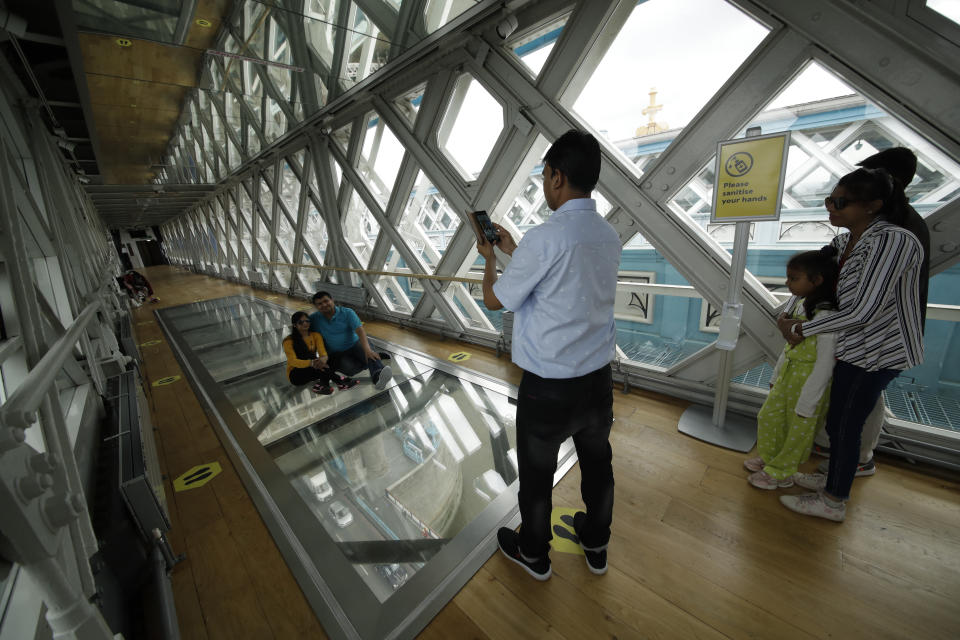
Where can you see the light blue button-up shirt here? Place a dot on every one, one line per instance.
(561, 284)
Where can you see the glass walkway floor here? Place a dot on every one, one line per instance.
(383, 502)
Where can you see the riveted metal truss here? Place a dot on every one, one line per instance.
(323, 127)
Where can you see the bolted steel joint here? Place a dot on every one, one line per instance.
(44, 462)
(33, 485)
(61, 510)
(11, 438)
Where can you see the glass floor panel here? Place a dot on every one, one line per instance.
(211, 336)
(383, 501)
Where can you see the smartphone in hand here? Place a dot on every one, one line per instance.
(484, 227)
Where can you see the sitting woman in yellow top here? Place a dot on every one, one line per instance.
(307, 358)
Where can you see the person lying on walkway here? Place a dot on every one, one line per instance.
(307, 359)
(800, 386)
(346, 340)
(138, 286)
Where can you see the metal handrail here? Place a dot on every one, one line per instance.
(20, 408)
(10, 347)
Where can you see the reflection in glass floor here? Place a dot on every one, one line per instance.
(382, 501)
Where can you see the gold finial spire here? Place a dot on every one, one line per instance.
(651, 111)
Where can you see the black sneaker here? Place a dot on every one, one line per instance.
(867, 468)
(823, 452)
(596, 558)
(509, 542)
(322, 389)
(346, 383)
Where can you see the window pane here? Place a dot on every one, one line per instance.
(315, 233)
(832, 127)
(285, 236)
(360, 229)
(440, 12)
(290, 185)
(947, 8)
(320, 18)
(275, 123)
(930, 393)
(471, 126)
(428, 223)
(702, 54)
(534, 48)
(397, 290)
(408, 104)
(278, 50)
(380, 158)
(367, 50)
(342, 137)
(467, 299)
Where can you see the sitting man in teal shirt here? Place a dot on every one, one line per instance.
(346, 341)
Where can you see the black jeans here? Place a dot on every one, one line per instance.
(303, 375)
(549, 411)
(852, 397)
(353, 361)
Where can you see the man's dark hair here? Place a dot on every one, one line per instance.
(320, 294)
(576, 154)
(899, 162)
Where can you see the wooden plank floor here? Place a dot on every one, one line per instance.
(696, 552)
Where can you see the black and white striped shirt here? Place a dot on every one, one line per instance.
(878, 325)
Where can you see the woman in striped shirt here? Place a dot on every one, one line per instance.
(878, 325)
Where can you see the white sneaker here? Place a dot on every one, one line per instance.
(812, 481)
(814, 504)
(385, 374)
(753, 464)
(763, 480)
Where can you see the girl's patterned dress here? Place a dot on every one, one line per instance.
(784, 438)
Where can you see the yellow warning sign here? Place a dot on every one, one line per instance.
(150, 343)
(749, 178)
(564, 539)
(123, 42)
(165, 381)
(197, 476)
(459, 356)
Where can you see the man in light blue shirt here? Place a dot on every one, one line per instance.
(561, 284)
(346, 342)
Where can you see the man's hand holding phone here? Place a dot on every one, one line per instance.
(507, 243)
(489, 234)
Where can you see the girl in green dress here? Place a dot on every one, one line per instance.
(799, 389)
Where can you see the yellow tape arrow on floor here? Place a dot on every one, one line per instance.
(197, 476)
(459, 356)
(150, 343)
(164, 381)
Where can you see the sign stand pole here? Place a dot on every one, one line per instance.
(732, 432)
(748, 187)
